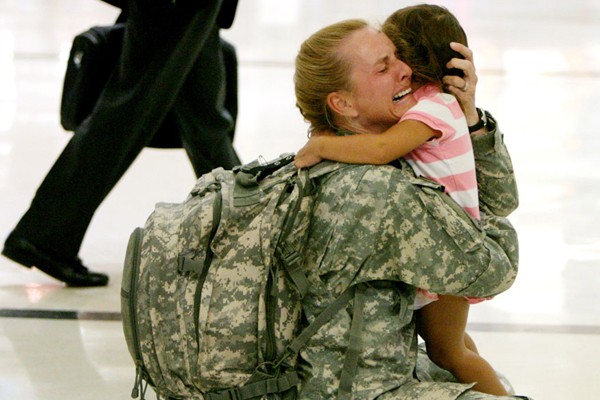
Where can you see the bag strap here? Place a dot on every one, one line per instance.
(326, 315)
(355, 342)
(323, 168)
(289, 255)
(258, 389)
(291, 379)
(354, 349)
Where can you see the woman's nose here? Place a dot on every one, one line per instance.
(403, 71)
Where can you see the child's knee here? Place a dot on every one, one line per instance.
(445, 358)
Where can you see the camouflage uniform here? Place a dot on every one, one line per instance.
(375, 224)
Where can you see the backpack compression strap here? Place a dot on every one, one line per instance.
(287, 254)
(257, 390)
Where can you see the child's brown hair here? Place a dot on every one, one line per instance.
(422, 36)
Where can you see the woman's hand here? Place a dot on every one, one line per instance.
(309, 154)
(463, 88)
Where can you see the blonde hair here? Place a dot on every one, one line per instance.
(320, 70)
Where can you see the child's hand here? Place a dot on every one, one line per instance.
(308, 155)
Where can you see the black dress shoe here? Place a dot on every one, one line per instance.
(69, 271)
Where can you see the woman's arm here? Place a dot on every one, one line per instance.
(406, 229)
(366, 148)
(498, 192)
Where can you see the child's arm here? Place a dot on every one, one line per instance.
(366, 148)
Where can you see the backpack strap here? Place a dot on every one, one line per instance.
(291, 379)
(288, 255)
(354, 349)
(323, 318)
(291, 260)
(354, 343)
(324, 168)
(258, 389)
(350, 367)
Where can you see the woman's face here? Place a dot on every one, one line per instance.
(380, 81)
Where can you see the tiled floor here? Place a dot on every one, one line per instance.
(539, 68)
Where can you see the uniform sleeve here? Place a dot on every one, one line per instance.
(497, 185)
(428, 241)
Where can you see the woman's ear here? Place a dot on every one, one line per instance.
(341, 103)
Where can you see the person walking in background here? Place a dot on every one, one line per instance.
(171, 67)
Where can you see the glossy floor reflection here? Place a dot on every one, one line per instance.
(539, 69)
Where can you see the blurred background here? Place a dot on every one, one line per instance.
(538, 64)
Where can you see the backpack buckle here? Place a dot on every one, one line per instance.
(190, 262)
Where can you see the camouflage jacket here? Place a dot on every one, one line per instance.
(381, 223)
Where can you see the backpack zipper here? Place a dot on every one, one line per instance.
(140, 369)
(271, 289)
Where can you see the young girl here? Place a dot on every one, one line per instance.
(434, 138)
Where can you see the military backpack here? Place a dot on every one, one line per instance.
(212, 287)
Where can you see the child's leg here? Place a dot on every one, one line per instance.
(442, 325)
(470, 343)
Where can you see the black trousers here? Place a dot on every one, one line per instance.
(171, 68)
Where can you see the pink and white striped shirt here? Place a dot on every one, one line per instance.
(448, 159)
